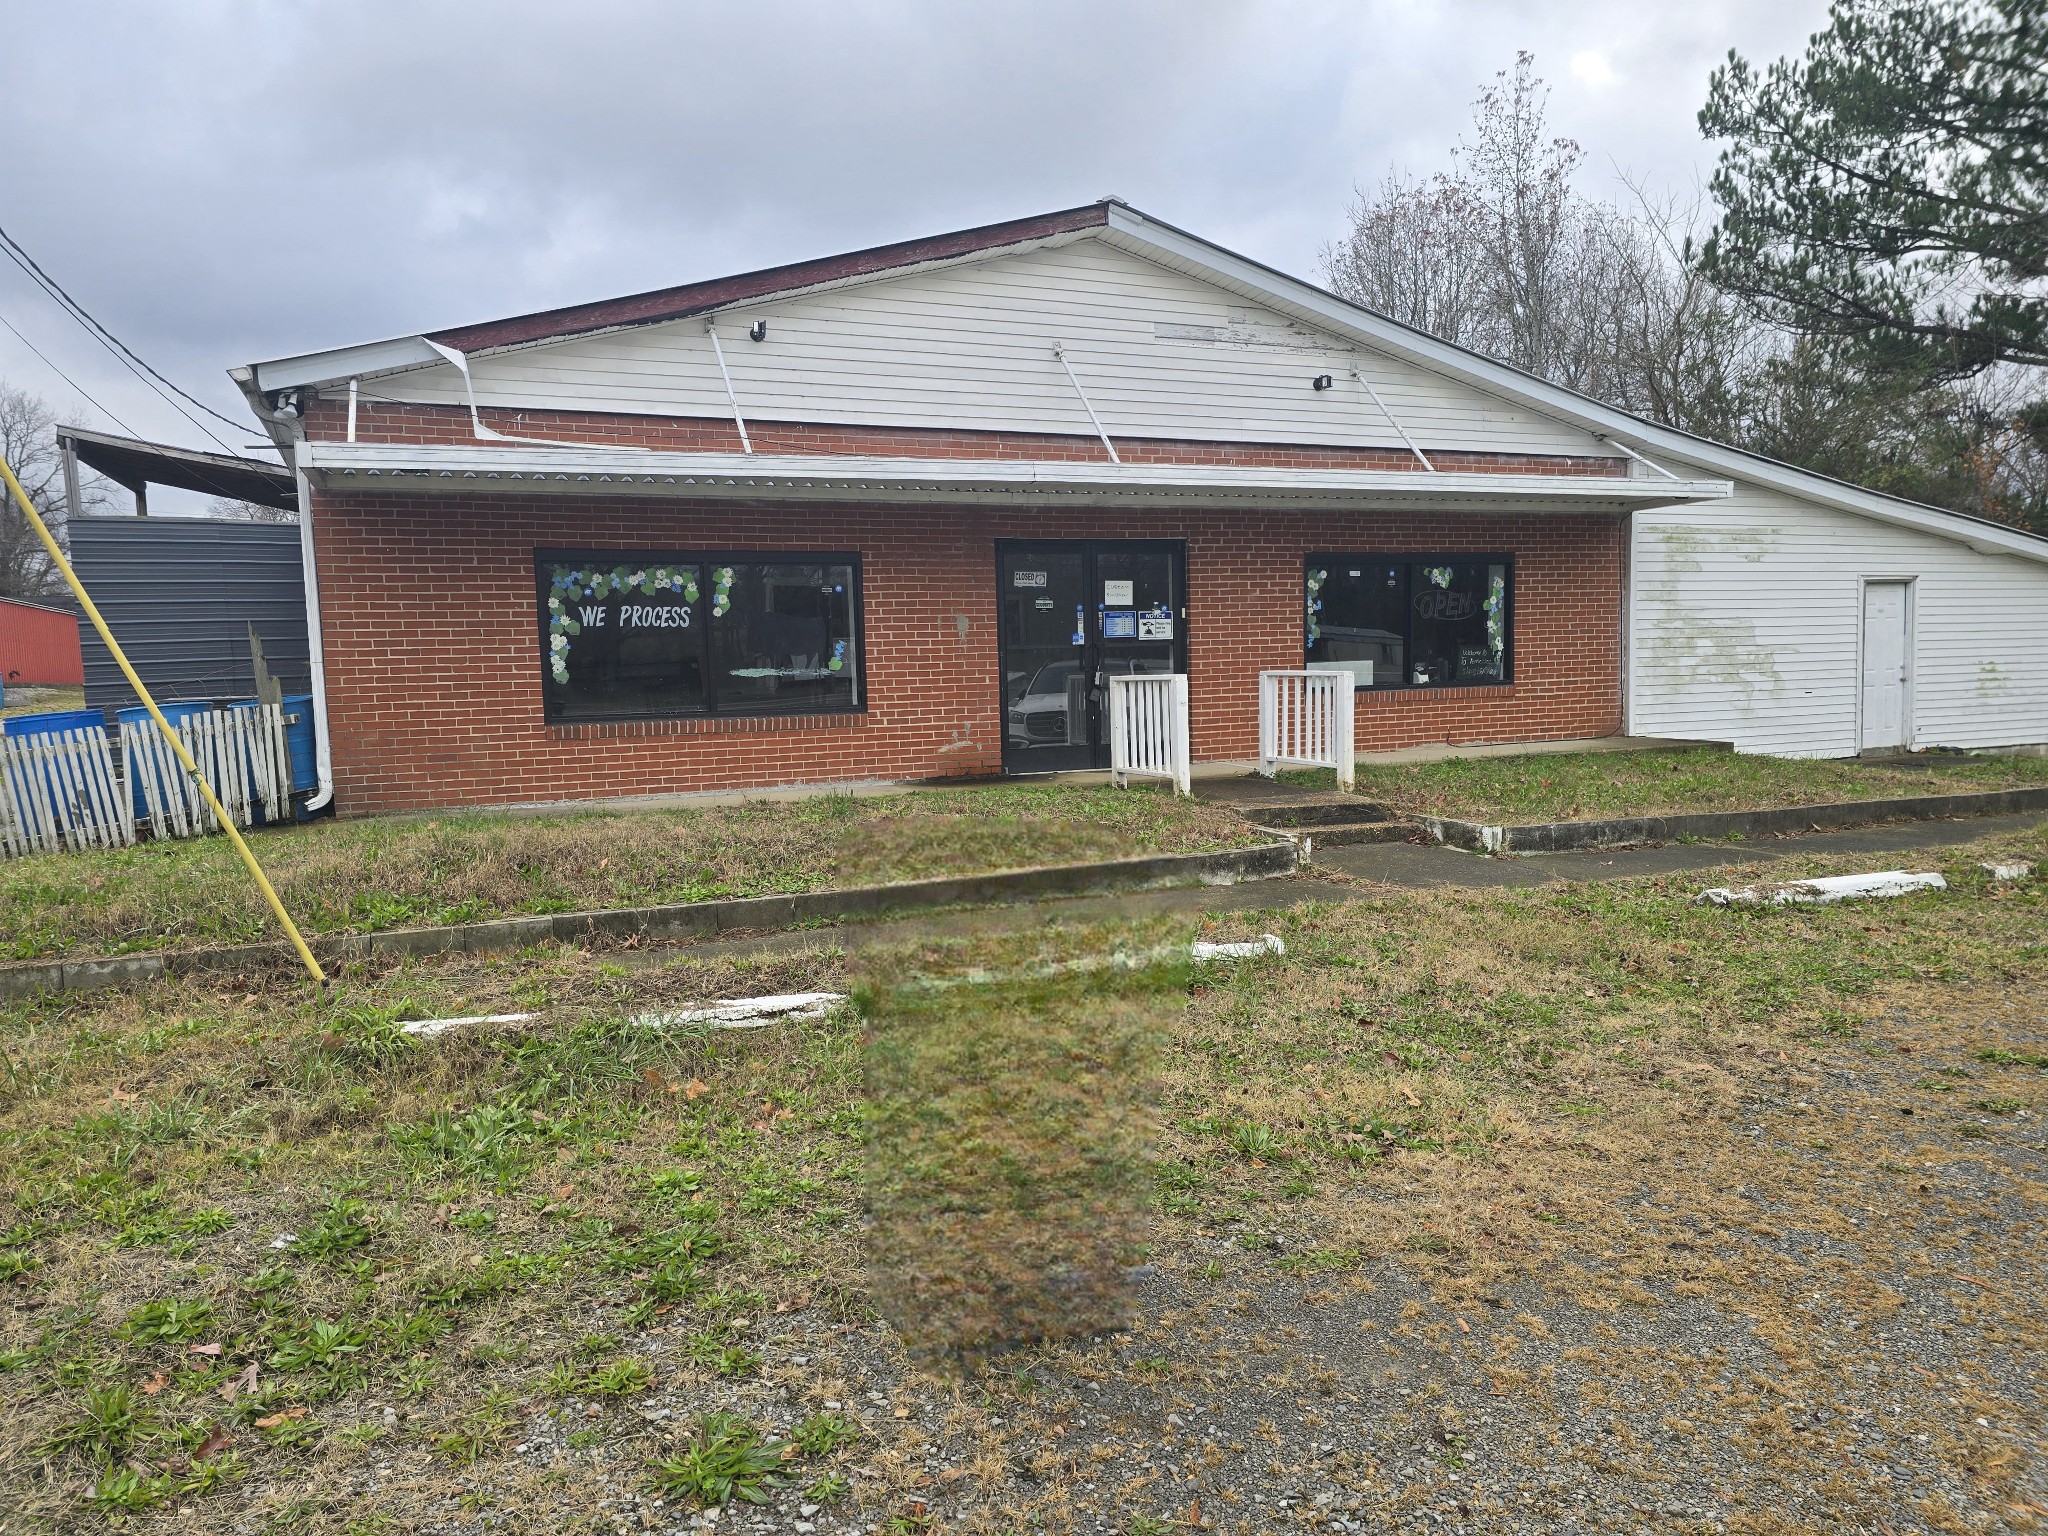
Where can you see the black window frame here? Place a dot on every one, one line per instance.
(1415, 562)
(704, 560)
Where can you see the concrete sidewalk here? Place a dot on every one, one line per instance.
(1407, 866)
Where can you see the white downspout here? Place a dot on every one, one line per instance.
(316, 650)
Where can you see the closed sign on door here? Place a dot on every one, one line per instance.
(1885, 665)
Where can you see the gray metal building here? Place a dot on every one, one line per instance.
(181, 594)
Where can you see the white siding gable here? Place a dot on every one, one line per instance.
(1161, 354)
(1746, 625)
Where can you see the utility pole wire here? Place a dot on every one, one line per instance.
(106, 338)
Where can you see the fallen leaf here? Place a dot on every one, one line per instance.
(1462, 1326)
(246, 1382)
(696, 1088)
(1409, 1094)
(155, 1384)
(442, 1213)
(564, 1191)
(217, 1440)
(203, 1349)
(121, 1095)
(271, 1421)
(902, 1413)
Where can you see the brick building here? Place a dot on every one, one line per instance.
(899, 514)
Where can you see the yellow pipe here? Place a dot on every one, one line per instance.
(220, 811)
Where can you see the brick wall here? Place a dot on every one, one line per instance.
(433, 659)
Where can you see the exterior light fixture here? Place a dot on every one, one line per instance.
(758, 331)
(1321, 381)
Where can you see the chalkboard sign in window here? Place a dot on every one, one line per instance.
(1412, 622)
(640, 635)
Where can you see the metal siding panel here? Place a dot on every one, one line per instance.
(180, 595)
(1747, 629)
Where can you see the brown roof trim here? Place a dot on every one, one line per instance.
(695, 298)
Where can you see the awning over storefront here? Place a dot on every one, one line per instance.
(496, 470)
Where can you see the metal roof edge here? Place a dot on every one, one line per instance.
(1594, 417)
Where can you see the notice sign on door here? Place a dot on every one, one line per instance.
(1027, 578)
(1155, 626)
(1117, 594)
(1119, 625)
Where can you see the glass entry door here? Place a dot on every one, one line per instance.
(1074, 615)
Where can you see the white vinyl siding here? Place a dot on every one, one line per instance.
(1747, 627)
(969, 347)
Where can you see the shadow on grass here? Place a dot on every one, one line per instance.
(1008, 1152)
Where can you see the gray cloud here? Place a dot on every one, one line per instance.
(230, 180)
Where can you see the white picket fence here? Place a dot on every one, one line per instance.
(59, 790)
(1148, 729)
(1307, 720)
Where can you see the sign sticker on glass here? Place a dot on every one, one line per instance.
(1117, 594)
(1119, 624)
(1155, 626)
(1027, 578)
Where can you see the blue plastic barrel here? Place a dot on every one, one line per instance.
(177, 711)
(54, 720)
(298, 735)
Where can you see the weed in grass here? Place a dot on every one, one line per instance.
(1257, 1143)
(823, 1433)
(2001, 1106)
(372, 1035)
(167, 1321)
(829, 1488)
(1147, 1525)
(585, 1439)
(2004, 1058)
(727, 1458)
(619, 1378)
(340, 1229)
(480, 1430)
(109, 1420)
(127, 1490)
(317, 1344)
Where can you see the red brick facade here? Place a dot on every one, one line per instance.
(433, 653)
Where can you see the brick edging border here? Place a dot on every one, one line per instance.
(1620, 832)
(1229, 866)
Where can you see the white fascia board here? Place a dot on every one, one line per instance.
(461, 469)
(1131, 231)
(370, 360)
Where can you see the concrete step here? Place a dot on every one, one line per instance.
(1338, 834)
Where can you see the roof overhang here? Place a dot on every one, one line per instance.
(131, 462)
(491, 470)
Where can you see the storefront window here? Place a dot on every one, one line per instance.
(657, 636)
(1405, 622)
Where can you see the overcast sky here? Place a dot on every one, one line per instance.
(222, 182)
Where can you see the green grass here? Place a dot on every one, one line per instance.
(1583, 786)
(1007, 1150)
(357, 876)
(661, 1203)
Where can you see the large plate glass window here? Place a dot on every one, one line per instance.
(648, 636)
(1411, 622)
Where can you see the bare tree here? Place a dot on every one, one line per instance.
(233, 511)
(1503, 255)
(28, 437)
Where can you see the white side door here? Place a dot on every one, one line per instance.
(1886, 710)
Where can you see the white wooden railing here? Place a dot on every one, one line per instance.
(1148, 729)
(59, 790)
(1306, 719)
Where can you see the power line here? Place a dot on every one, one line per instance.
(219, 489)
(122, 352)
(82, 391)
